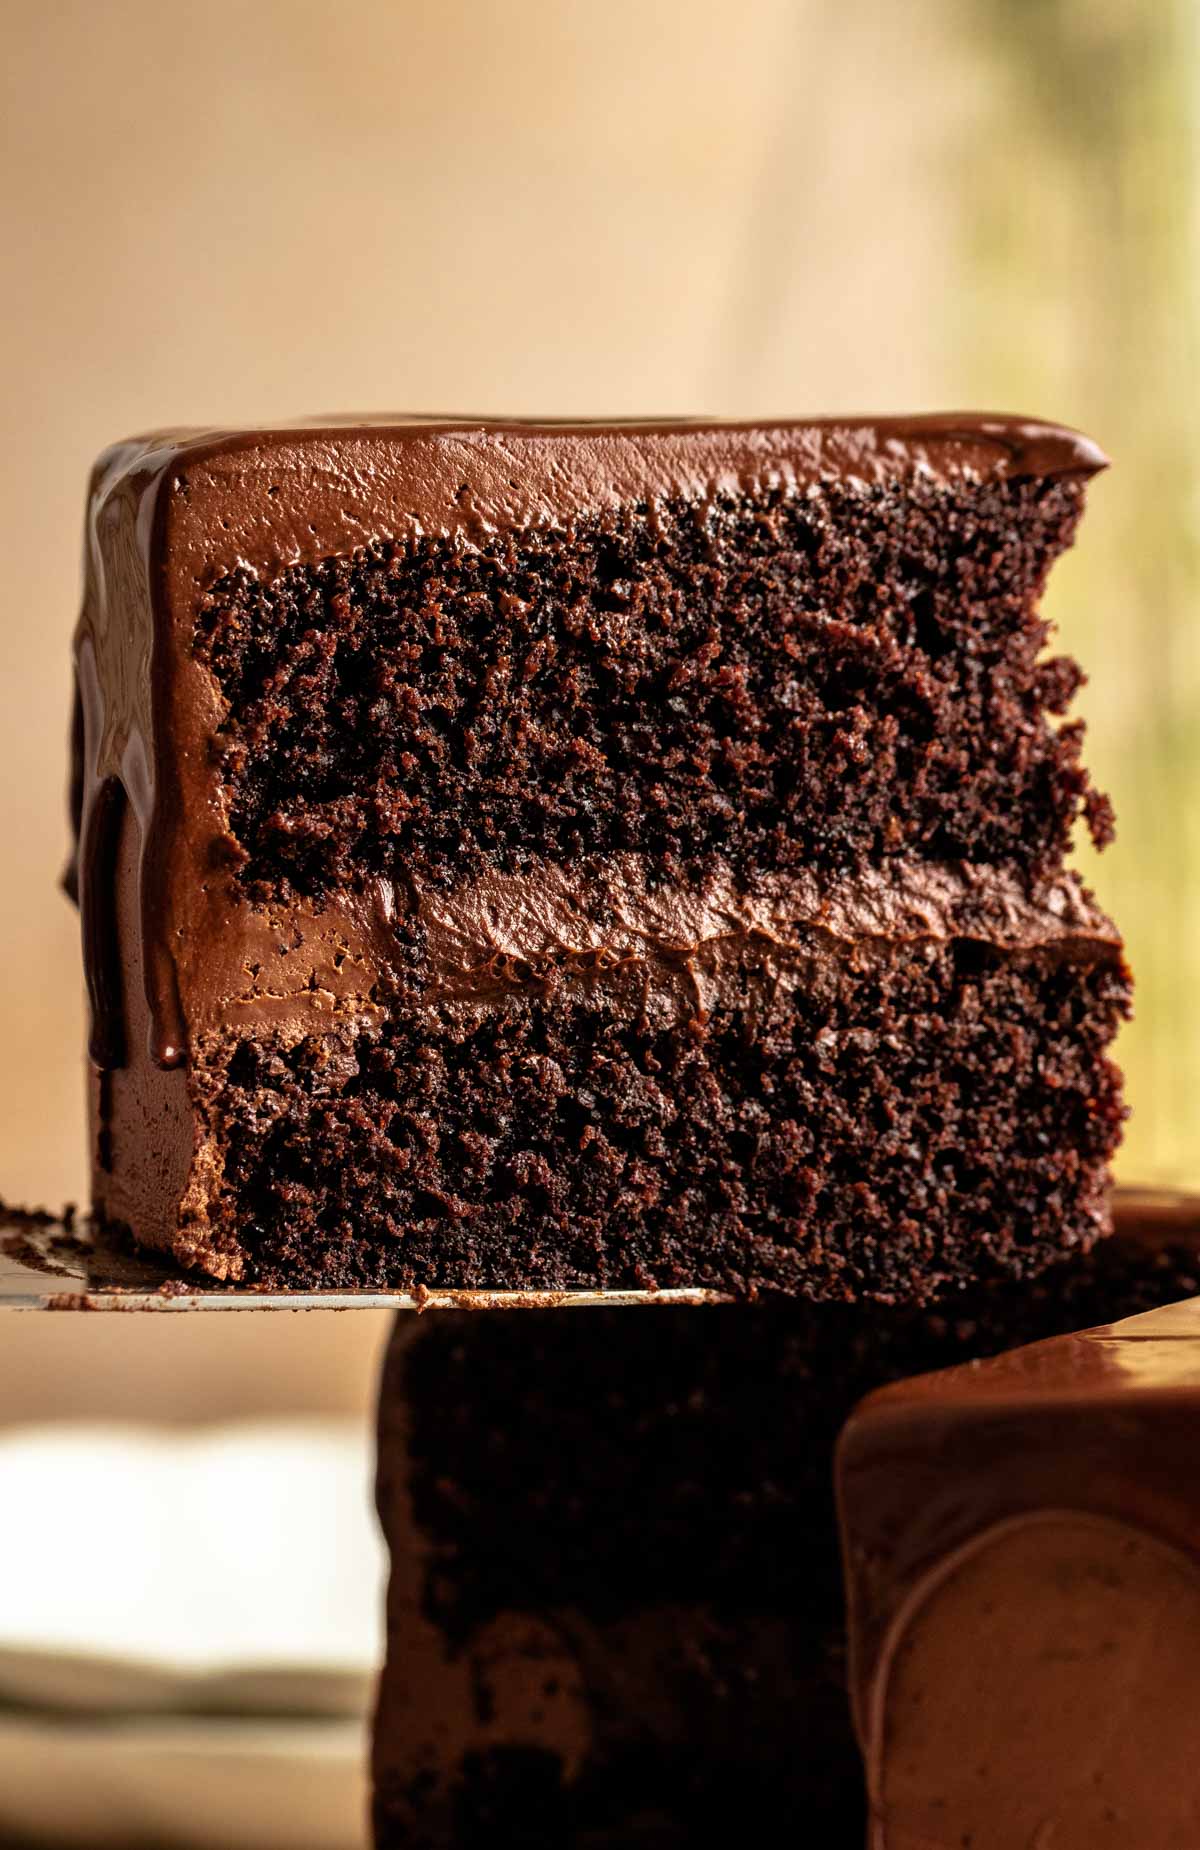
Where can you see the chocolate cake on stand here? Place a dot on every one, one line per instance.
(616, 1611)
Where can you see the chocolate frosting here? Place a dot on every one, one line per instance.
(171, 513)
(273, 498)
(506, 931)
(1003, 1735)
(298, 966)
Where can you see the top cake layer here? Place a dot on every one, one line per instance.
(441, 645)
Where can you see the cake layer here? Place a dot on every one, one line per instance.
(840, 1088)
(486, 832)
(787, 678)
(615, 1613)
(1023, 1571)
(428, 649)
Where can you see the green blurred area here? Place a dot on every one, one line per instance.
(1080, 189)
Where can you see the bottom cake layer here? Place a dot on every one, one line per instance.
(615, 1613)
(867, 1119)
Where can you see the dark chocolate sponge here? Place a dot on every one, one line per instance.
(839, 1128)
(527, 856)
(787, 680)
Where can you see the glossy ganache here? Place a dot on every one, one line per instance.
(1022, 1548)
(510, 854)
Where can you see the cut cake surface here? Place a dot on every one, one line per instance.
(563, 855)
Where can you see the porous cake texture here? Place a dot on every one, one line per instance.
(524, 855)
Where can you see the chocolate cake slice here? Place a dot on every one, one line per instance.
(546, 856)
(616, 1609)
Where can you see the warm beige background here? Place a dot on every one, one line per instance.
(247, 208)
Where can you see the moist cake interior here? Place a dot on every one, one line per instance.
(938, 1110)
(595, 884)
(785, 681)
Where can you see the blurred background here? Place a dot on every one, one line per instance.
(254, 208)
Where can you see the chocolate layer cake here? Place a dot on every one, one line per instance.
(1023, 1563)
(543, 856)
(615, 1613)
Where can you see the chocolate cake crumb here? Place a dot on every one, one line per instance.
(569, 856)
(789, 679)
(885, 1129)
